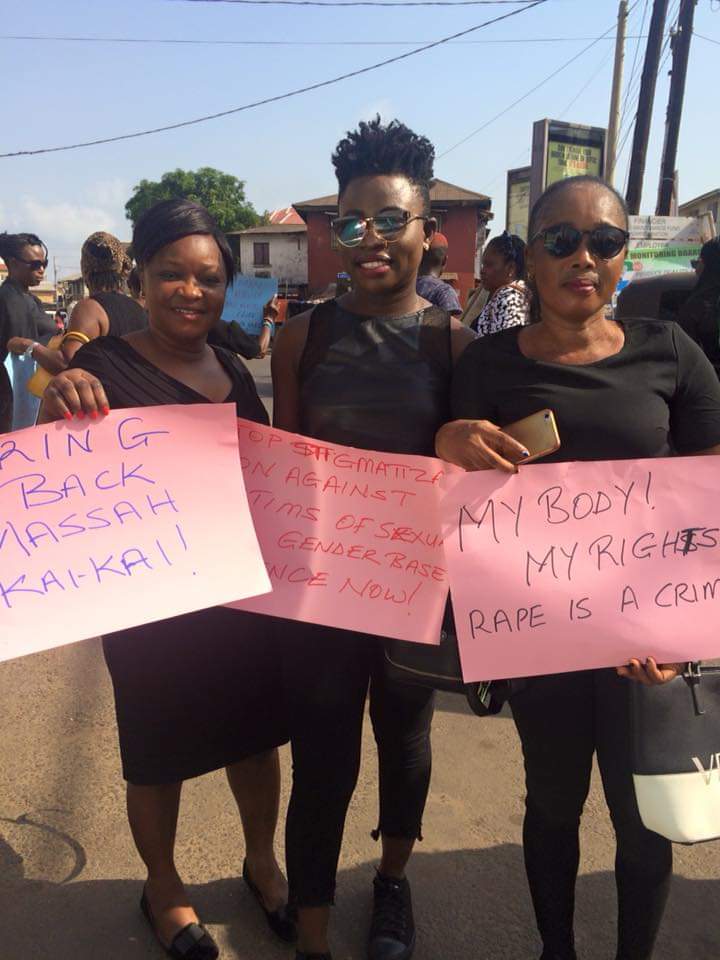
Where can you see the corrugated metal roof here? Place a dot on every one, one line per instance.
(285, 215)
(275, 229)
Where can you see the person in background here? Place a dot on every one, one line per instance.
(699, 316)
(429, 285)
(135, 288)
(620, 390)
(503, 274)
(371, 369)
(60, 319)
(23, 326)
(108, 310)
(230, 334)
(197, 692)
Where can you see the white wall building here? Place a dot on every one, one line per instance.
(275, 250)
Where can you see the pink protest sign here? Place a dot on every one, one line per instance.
(351, 538)
(137, 517)
(577, 565)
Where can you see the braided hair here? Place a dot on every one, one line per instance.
(374, 149)
(512, 249)
(12, 245)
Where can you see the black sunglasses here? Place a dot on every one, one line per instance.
(33, 264)
(563, 239)
(351, 231)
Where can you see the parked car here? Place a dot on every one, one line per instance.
(659, 296)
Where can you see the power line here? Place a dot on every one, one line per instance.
(290, 43)
(603, 63)
(526, 95)
(709, 39)
(631, 78)
(665, 53)
(278, 97)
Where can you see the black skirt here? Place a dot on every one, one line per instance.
(194, 693)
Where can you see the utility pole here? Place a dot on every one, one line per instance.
(614, 122)
(645, 105)
(681, 52)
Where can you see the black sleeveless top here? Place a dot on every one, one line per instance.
(381, 383)
(124, 314)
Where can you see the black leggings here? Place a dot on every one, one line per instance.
(325, 679)
(562, 721)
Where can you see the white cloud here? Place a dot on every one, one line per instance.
(109, 193)
(64, 224)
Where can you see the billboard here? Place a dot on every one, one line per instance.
(563, 150)
(517, 210)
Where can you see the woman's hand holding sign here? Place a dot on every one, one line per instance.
(479, 445)
(73, 392)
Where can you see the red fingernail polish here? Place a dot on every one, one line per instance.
(80, 415)
(67, 415)
(106, 410)
(93, 415)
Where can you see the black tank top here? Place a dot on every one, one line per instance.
(381, 383)
(124, 314)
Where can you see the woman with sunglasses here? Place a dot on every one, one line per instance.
(503, 275)
(371, 369)
(21, 316)
(640, 388)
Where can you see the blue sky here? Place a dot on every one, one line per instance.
(60, 92)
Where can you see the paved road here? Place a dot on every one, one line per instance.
(70, 879)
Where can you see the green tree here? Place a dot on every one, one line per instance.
(221, 193)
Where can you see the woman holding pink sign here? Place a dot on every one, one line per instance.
(370, 369)
(197, 692)
(619, 390)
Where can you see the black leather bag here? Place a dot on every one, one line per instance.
(438, 667)
(676, 755)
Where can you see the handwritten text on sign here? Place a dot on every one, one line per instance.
(121, 522)
(577, 565)
(351, 538)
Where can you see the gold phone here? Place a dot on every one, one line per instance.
(538, 433)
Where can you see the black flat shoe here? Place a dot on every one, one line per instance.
(312, 956)
(282, 921)
(193, 942)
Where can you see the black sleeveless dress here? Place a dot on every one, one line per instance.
(196, 692)
(381, 383)
(125, 315)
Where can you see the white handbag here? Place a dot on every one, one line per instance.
(676, 755)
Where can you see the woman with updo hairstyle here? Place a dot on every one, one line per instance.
(503, 275)
(620, 390)
(197, 692)
(108, 310)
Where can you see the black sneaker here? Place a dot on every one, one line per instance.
(392, 930)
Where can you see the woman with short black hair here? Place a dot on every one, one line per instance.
(23, 321)
(197, 692)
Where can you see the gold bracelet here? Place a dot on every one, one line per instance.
(75, 335)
